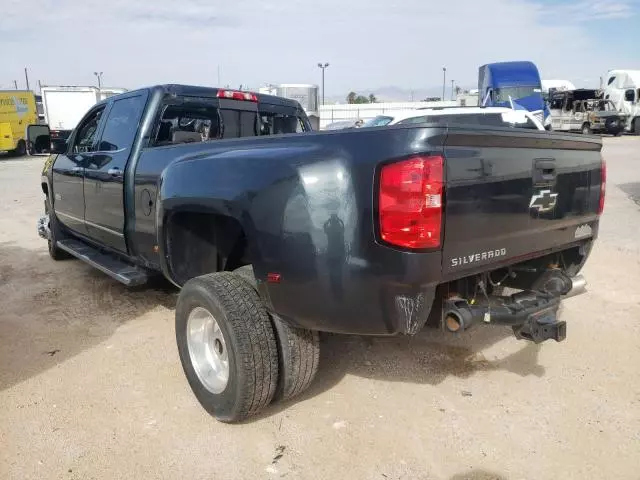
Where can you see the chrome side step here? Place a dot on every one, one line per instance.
(123, 272)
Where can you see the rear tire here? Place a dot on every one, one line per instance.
(636, 126)
(299, 355)
(21, 149)
(298, 351)
(586, 129)
(248, 339)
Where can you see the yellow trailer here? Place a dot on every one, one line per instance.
(17, 112)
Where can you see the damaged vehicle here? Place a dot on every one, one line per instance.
(273, 232)
(585, 111)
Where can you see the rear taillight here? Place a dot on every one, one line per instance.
(603, 186)
(235, 95)
(410, 202)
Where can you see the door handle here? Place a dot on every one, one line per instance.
(115, 172)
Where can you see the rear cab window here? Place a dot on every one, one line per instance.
(186, 119)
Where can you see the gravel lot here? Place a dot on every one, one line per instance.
(91, 386)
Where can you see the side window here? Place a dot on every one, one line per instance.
(277, 123)
(611, 80)
(122, 124)
(86, 135)
(630, 95)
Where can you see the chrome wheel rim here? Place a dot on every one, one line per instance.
(207, 350)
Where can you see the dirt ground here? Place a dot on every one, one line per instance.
(91, 386)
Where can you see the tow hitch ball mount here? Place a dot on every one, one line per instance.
(540, 327)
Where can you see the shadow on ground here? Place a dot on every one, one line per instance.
(429, 358)
(55, 310)
(51, 311)
(632, 190)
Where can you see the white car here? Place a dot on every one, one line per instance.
(488, 116)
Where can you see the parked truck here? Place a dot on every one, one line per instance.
(274, 232)
(622, 87)
(585, 110)
(64, 106)
(513, 84)
(17, 112)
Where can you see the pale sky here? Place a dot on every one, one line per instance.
(368, 43)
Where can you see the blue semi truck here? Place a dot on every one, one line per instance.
(513, 84)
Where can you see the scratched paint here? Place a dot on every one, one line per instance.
(409, 309)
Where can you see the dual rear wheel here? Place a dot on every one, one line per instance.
(237, 357)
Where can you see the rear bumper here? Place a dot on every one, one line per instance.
(380, 305)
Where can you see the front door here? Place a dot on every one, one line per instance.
(68, 171)
(105, 172)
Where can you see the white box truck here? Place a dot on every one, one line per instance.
(64, 106)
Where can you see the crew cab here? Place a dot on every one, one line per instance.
(274, 232)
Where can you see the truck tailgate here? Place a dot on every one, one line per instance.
(513, 194)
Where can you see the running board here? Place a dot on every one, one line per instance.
(123, 272)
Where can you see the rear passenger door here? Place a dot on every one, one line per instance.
(105, 172)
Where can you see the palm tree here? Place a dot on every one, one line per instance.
(351, 98)
(372, 98)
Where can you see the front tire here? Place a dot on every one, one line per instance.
(220, 317)
(636, 126)
(586, 129)
(55, 234)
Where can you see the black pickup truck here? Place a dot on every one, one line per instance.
(274, 232)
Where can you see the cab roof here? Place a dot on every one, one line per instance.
(200, 91)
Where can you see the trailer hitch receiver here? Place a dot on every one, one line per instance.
(541, 326)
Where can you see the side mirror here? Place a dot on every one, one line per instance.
(38, 139)
(58, 145)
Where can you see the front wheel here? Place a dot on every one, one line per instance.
(586, 129)
(55, 234)
(227, 346)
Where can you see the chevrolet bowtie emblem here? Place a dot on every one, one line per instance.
(544, 201)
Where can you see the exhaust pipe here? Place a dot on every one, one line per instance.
(458, 315)
(578, 287)
(453, 322)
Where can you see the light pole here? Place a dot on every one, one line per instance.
(452, 89)
(444, 80)
(323, 66)
(99, 77)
